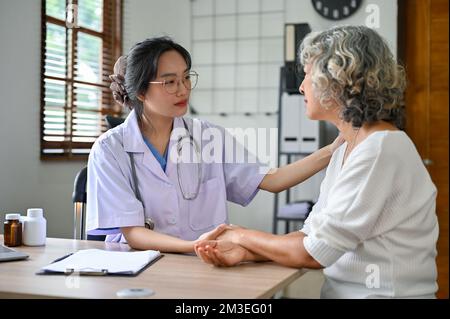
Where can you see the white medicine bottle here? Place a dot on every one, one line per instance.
(34, 227)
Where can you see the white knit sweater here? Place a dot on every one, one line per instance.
(374, 226)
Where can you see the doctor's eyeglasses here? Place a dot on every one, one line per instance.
(171, 82)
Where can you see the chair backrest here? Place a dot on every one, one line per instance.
(79, 202)
(79, 195)
(113, 121)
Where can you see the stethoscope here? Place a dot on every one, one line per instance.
(186, 195)
(196, 148)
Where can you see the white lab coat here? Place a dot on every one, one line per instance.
(111, 199)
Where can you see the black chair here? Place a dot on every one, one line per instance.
(79, 202)
(79, 195)
(113, 121)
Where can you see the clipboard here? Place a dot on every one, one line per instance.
(100, 271)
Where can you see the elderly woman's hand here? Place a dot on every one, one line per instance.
(213, 234)
(231, 233)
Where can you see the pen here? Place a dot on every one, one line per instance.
(61, 258)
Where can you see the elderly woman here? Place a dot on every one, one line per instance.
(374, 227)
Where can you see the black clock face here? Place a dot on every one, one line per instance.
(336, 9)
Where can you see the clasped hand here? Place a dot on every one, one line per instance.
(220, 247)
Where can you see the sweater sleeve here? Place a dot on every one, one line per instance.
(316, 208)
(355, 202)
(324, 186)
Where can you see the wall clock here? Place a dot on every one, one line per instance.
(336, 9)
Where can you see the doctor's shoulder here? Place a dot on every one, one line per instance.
(109, 141)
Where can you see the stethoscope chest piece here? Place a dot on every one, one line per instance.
(149, 224)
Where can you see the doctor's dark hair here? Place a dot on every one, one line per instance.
(142, 67)
(354, 66)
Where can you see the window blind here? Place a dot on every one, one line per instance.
(81, 40)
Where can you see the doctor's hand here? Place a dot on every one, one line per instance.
(221, 253)
(336, 143)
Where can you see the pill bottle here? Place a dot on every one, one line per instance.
(34, 227)
(12, 230)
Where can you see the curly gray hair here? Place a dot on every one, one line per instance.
(354, 66)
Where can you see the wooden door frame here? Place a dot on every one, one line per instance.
(417, 56)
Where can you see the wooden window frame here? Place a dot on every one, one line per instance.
(111, 36)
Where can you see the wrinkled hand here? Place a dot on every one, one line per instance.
(220, 252)
(231, 233)
(336, 143)
(213, 234)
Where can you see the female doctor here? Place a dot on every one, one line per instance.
(138, 189)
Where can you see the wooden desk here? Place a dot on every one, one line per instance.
(173, 276)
